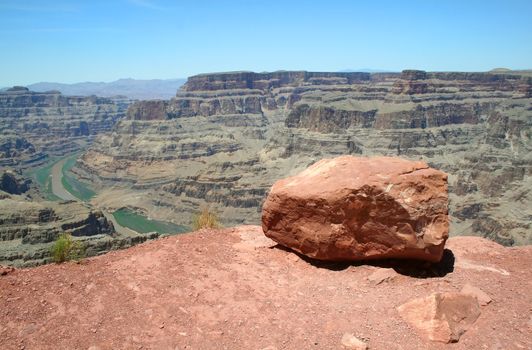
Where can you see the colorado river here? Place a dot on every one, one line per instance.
(60, 191)
(57, 184)
(132, 223)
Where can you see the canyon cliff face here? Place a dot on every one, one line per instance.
(37, 124)
(34, 127)
(226, 138)
(28, 229)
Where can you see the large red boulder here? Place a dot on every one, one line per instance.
(357, 208)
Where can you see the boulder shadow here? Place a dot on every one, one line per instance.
(406, 267)
(421, 269)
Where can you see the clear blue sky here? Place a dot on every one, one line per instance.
(97, 40)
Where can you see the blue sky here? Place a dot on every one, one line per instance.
(96, 40)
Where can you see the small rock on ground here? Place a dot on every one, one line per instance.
(349, 341)
(483, 298)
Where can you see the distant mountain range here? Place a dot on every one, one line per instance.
(132, 88)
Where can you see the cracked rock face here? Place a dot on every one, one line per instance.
(357, 208)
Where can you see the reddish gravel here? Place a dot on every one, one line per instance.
(229, 289)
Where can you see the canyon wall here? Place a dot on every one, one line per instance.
(33, 128)
(34, 125)
(225, 138)
(28, 228)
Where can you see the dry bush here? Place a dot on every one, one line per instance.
(206, 218)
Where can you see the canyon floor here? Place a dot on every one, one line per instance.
(235, 289)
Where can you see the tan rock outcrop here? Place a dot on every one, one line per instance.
(357, 208)
(147, 110)
(441, 317)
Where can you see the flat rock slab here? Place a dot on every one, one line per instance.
(441, 317)
(358, 208)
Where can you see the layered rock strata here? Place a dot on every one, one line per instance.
(28, 228)
(36, 124)
(226, 138)
(33, 127)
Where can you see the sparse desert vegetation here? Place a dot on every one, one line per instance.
(66, 248)
(206, 218)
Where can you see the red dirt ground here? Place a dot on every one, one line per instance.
(231, 289)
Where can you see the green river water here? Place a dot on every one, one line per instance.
(124, 216)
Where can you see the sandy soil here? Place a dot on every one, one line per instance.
(233, 289)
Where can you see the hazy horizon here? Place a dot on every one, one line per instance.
(103, 41)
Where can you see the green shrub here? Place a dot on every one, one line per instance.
(206, 218)
(65, 248)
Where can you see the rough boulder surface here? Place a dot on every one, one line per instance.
(357, 208)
